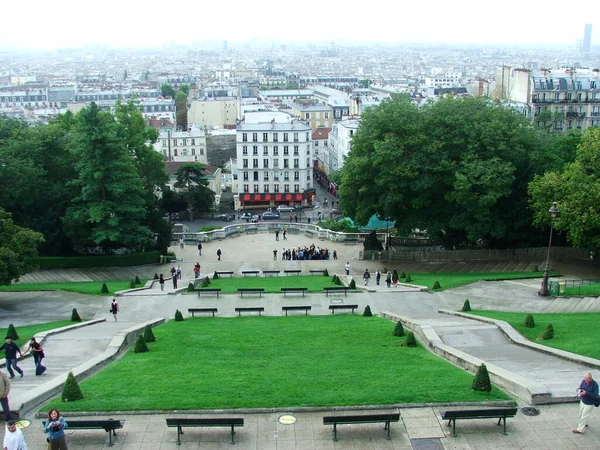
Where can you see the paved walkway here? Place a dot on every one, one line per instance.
(551, 429)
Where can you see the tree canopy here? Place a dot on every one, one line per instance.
(192, 181)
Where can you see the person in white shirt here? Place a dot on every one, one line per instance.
(13, 437)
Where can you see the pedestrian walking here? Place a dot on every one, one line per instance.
(13, 437)
(174, 279)
(37, 352)
(4, 390)
(377, 277)
(114, 308)
(178, 272)
(283, 253)
(199, 248)
(395, 278)
(347, 268)
(285, 235)
(197, 270)
(588, 398)
(388, 279)
(173, 271)
(11, 349)
(55, 427)
(366, 276)
(277, 235)
(335, 255)
(161, 281)
(275, 255)
(219, 253)
(181, 243)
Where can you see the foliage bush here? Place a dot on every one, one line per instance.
(137, 280)
(436, 285)
(156, 277)
(466, 306)
(367, 312)
(140, 345)
(408, 279)
(338, 281)
(172, 256)
(12, 332)
(208, 228)
(67, 262)
(410, 341)
(549, 333)
(325, 273)
(536, 268)
(191, 287)
(132, 284)
(178, 316)
(352, 285)
(334, 279)
(75, 316)
(205, 282)
(482, 382)
(215, 276)
(71, 390)
(402, 275)
(104, 289)
(371, 242)
(529, 323)
(149, 334)
(398, 329)
(342, 226)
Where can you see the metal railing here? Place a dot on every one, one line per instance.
(572, 287)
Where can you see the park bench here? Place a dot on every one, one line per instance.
(201, 310)
(370, 418)
(285, 290)
(317, 271)
(293, 271)
(334, 307)
(259, 290)
(336, 289)
(108, 425)
(205, 422)
(306, 308)
(491, 413)
(250, 272)
(271, 272)
(209, 290)
(227, 272)
(258, 309)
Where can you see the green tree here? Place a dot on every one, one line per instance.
(547, 119)
(185, 88)
(17, 246)
(173, 202)
(71, 390)
(181, 110)
(192, 181)
(166, 90)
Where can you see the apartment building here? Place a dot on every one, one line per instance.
(314, 114)
(214, 113)
(183, 146)
(340, 142)
(320, 139)
(274, 164)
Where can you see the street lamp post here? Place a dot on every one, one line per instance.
(553, 215)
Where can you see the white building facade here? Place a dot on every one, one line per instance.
(340, 142)
(182, 146)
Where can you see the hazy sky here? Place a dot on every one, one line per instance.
(134, 23)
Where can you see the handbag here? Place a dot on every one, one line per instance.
(597, 402)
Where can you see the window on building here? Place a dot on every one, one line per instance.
(265, 150)
(296, 150)
(275, 137)
(307, 116)
(276, 176)
(275, 188)
(286, 175)
(295, 137)
(246, 188)
(286, 188)
(202, 151)
(316, 143)
(296, 163)
(327, 115)
(255, 175)
(245, 176)
(256, 189)
(286, 150)
(245, 163)
(174, 142)
(286, 163)
(296, 176)
(265, 163)
(185, 142)
(175, 152)
(265, 137)
(285, 137)
(244, 137)
(193, 141)
(255, 149)
(255, 163)
(266, 176)
(254, 137)
(245, 150)
(193, 151)
(275, 151)
(296, 188)
(275, 163)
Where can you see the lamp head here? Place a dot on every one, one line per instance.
(554, 211)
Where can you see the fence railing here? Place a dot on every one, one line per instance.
(572, 287)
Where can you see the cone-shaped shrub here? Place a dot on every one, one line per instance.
(12, 332)
(178, 316)
(408, 279)
(104, 289)
(71, 391)
(482, 382)
(352, 285)
(132, 284)
(191, 287)
(137, 280)
(156, 277)
(529, 323)
(215, 276)
(140, 345)
(398, 329)
(466, 306)
(536, 268)
(338, 281)
(410, 341)
(549, 333)
(205, 282)
(148, 334)
(367, 312)
(436, 285)
(325, 273)
(334, 279)
(75, 316)
(402, 275)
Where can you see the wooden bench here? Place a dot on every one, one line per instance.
(306, 308)
(491, 413)
(250, 272)
(217, 290)
(294, 289)
(294, 271)
(208, 422)
(315, 271)
(258, 309)
(202, 310)
(259, 290)
(108, 425)
(336, 289)
(227, 272)
(271, 272)
(370, 418)
(334, 307)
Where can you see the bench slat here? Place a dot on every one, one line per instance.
(205, 422)
(370, 418)
(195, 310)
(491, 413)
(334, 307)
(296, 308)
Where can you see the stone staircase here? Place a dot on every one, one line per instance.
(573, 305)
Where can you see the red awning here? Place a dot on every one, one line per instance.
(257, 197)
(288, 197)
(246, 197)
(278, 197)
(267, 196)
(298, 198)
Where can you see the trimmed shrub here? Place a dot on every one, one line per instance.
(549, 333)
(536, 268)
(334, 279)
(178, 316)
(104, 289)
(191, 287)
(466, 306)
(156, 277)
(482, 382)
(367, 312)
(149, 334)
(215, 276)
(398, 329)
(371, 242)
(408, 279)
(205, 282)
(325, 273)
(75, 316)
(140, 345)
(352, 285)
(71, 391)
(436, 285)
(402, 275)
(410, 341)
(66, 262)
(338, 281)
(12, 332)
(132, 284)
(529, 323)
(137, 280)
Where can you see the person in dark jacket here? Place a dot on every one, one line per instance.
(588, 395)
(11, 350)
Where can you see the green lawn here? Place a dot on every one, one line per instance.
(592, 290)
(452, 280)
(314, 283)
(26, 332)
(574, 332)
(262, 362)
(81, 287)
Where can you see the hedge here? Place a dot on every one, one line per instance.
(67, 262)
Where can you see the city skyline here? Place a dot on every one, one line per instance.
(137, 24)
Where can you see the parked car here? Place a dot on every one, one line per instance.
(270, 215)
(284, 208)
(254, 219)
(246, 216)
(226, 217)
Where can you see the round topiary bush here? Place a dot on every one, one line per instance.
(12, 332)
(367, 312)
(71, 390)
(215, 275)
(410, 341)
(178, 316)
(352, 285)
(104, 289)
(149, 334)
(436, 285)
(482, 382)
(408, 279)
(398, 329)
(132, 284)
(549, 333)
(191, 287)
(466, 306)
(529, 323)
(140, 345)
(75, 316)
(137, 280)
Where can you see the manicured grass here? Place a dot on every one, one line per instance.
(81, 287)
(261, 362)
(314, 283)
(574, 332)
(592, 290)
(26, 332)
(452, 280)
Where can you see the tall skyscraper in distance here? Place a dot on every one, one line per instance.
(587, 38)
